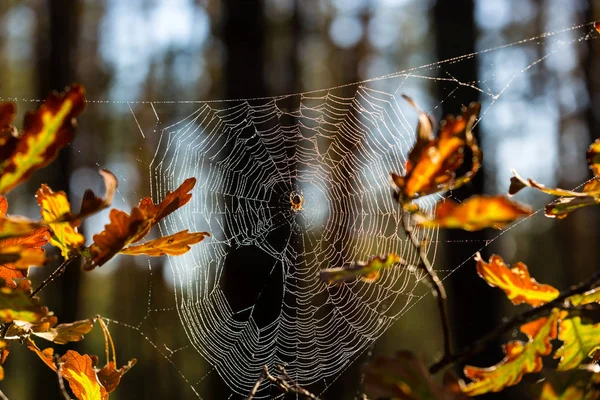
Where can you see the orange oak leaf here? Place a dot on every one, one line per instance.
(53, 206)
(475, 213)
(65, 333)
(173, 245)
(521, 358)
(125, 229)
(76, 369)
(25, 251)
(516, 282)
(433, 162)
(368, 271)
(45, 132)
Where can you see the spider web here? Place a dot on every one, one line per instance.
(335, 147)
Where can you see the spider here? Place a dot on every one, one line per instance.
(296, 200)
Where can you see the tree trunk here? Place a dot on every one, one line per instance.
(58, 31)
(470, 317)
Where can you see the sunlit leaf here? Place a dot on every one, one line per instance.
(54, 205)
(581, 341)
(521, 358)
(16, 304)
(4, 351)
(593, 157)
(570, 200)
(368, 271)
(516, 282)
(173, 245)
(13, 226)
(45, 132)
(65, 333)
(125, 229)
(589, 297)
(404, 376)
(77, 370)
(475, 213)
(433, 162)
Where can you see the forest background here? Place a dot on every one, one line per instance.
(153, 50)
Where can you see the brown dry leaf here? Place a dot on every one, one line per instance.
(173, 245)
(125, 229)
(475, 213)
(45, 132)
(521, 358)
(77, 370)
(432, 162)
(65, 333)
(405, 377)
(516, 282)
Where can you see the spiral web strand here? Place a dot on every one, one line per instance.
(335, 148)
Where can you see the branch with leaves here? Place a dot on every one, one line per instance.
(22, 240)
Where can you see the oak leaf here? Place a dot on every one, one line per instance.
(4, 351)
(53, 206)
(516, 282)
(475, 213)
(433, 162)
(581, 341)
(173, 245)
(76, 369)
(16, 304)
(18, 253)
(125, 229)
(45, 132)
(570, 200)
(521, 358)
(404, 376)
(368, 271)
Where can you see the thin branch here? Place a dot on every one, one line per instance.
(3, 396)
(61, 382)
(516, 321)
(55, 274)
(284, 382)
(437, 285)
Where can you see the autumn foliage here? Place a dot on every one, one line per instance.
(561, 340)
(23, 317)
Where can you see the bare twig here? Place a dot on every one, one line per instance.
(55, 274)
(3, 396)
(61, 382)
(283, 381)
(516, 321)
(437, 285)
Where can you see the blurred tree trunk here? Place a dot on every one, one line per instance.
(57, 43)
(243, 33)
(470, 317)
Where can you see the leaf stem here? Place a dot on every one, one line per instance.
(437, 286)
(516, 321)
(55, 274)
(61, 382)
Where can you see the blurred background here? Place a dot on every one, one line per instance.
(539, 118)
